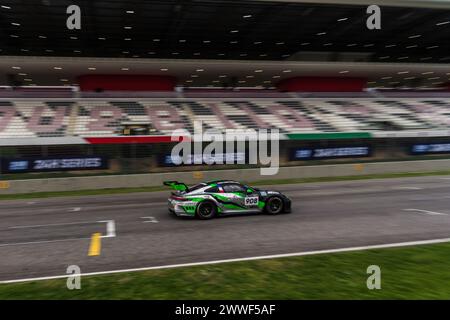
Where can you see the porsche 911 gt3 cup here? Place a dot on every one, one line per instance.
(209, 199)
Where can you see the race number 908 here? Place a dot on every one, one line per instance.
(251, 201)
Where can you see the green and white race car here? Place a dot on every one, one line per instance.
(209, 199)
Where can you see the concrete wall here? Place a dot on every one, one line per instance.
(156, 179)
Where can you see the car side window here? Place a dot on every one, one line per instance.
(233, 188)
(227, 188)
(212, 190)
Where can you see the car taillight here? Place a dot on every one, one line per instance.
(178, 198)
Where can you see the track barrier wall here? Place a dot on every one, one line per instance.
(251, 175)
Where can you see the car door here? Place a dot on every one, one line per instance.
(251, 199)
(237, 194)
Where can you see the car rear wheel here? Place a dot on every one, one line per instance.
(274, 205)
(206, 210)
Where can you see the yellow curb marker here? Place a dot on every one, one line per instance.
(96, 245)
(4, 184)
(197, 174)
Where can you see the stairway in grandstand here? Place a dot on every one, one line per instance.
(28, 118)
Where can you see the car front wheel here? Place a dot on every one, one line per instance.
(274, 205)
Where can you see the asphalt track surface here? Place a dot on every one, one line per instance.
(42, 237)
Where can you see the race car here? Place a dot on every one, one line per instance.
(215, 198)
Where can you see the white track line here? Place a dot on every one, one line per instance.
(110, 232)
(297, 254)
(55, 224)
(110, 228)
(408, 188)
(40, 242)
(149, 220)
(430, 213)
(123, 206)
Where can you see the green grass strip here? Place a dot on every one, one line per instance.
(419, 272)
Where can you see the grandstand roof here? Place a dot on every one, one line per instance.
(202, 73)
(443, 4)
(226, 30)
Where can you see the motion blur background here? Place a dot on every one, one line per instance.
(83, 109)
(113, 91)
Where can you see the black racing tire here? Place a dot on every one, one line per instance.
(274, 205)
(206, 210)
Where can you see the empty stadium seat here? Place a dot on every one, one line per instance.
(28, 118)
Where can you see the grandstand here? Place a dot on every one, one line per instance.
(314, 72)
(34, 118)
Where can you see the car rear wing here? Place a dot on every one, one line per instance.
(179, 186)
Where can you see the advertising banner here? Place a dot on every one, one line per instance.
(53, 164)
(430, 148)
(299, 154)
(197, 159)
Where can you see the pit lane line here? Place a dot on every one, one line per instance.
(73, 209)
(110, 232)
